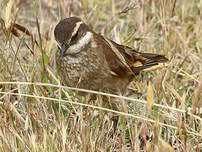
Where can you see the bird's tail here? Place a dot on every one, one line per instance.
(144, 61)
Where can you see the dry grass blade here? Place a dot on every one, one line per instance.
(161, 145)
(17, 27)
(127, 8)
(8, 14)
(83, 4)
(87, 105)
(183, 134)
(94, 92)
(176, 94)
(37, 115)
(99, 108)
(150, 97)
(159, 66)
(197, 101)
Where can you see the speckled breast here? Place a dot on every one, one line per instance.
(86, 69)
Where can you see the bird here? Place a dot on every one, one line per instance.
(88, 60)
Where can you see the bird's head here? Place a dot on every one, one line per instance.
(72, 34)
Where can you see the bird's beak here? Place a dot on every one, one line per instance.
(64, 48)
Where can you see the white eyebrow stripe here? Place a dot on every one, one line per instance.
(76, 28)
(80, 44)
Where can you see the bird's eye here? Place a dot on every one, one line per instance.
(74, 37)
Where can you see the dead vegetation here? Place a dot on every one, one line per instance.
(163, 111)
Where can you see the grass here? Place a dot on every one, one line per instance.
(163, 110)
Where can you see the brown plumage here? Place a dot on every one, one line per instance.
(90, 61)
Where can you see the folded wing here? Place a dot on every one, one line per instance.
(132, 61)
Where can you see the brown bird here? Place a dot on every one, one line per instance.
(88, 60)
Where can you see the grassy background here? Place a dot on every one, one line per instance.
(32, 119)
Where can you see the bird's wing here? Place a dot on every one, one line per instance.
(114, 58)
(125, 61)
(135, 60)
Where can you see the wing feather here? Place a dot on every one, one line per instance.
(125, 61)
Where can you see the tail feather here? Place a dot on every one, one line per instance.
(146, 60)
(155, 57)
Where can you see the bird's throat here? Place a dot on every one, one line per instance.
(82, 42)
